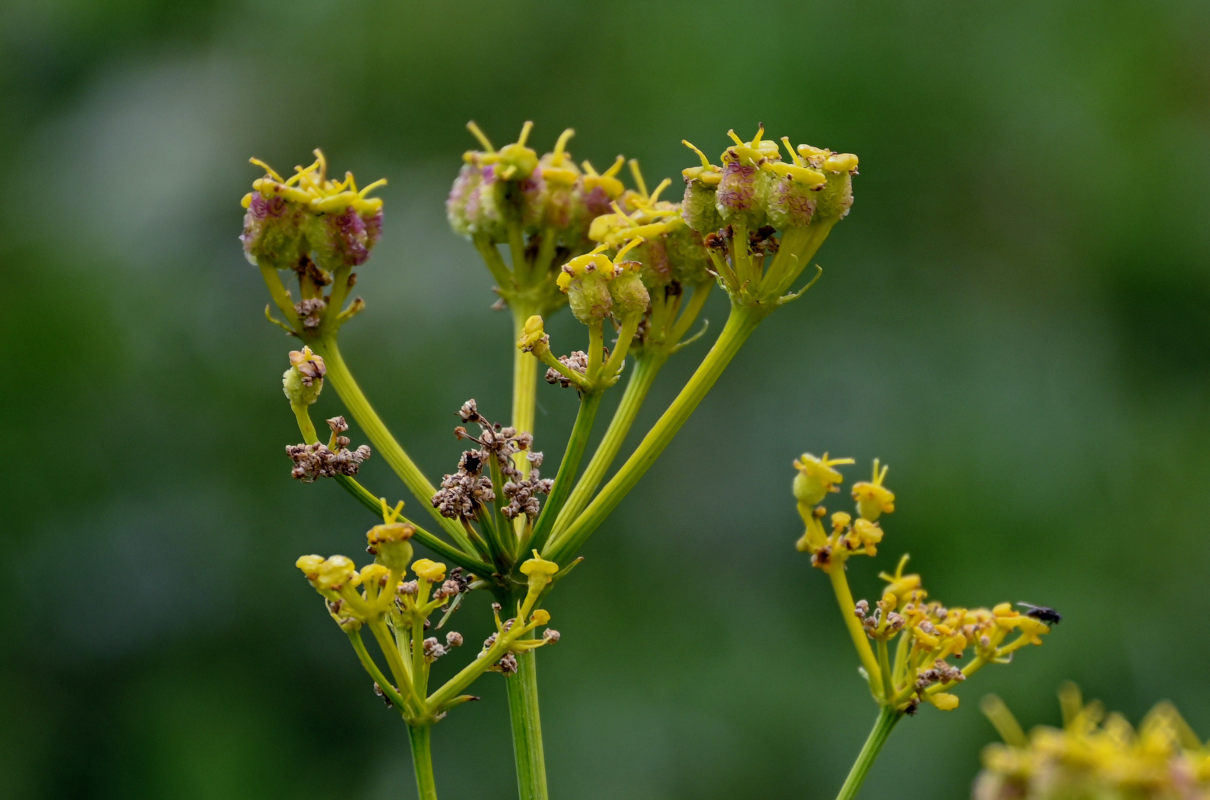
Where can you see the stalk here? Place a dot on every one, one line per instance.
(527, 729)
(647, 366)
(740, 324)
(421, 737)
(568, 466)
(378, 434)
(887, 717)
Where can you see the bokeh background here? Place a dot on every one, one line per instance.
(1015, 317)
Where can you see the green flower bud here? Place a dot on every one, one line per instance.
(589, 297)
(304, 380)
(627, 290)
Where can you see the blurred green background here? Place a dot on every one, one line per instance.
(1015, 317)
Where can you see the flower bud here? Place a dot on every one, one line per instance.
(344, 239)
(389, 544)
(304, 380)
(585, 279)
(627, 291)
(539, 571)
(534, 338)
(431, 571)
(816, 477)
(335, 572)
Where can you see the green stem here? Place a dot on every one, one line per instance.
(844, 599)
(378, 434)
(647, 366)
(426, 538)
(527, 729)
(367, 663)
(421, 737)
(740, 324)
(525, 377)
(887, 717)
(568, 466)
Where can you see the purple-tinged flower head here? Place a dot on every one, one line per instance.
(497, 189)
(310, 216)
(743, 188)
(794, 191)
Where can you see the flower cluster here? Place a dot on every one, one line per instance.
(927, 635)
(1094, 755)
(310, 219)
(397, 610)
(318, 460)
(467, 492)
(514, 191)
(754, 196)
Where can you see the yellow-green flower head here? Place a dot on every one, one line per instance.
(538, 569)
(310, 566)
(431, 571)
(701, 189)
(335, 572)
(304, 380)
(534, 338)
(540, 617)
(836, 196)
(816, 477)
(389, 544)
(585, 280)
(310, 215)
(374, 574)
(874, 499)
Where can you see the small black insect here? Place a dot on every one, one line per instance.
(1042, 613)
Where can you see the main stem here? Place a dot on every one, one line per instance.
(421, 737)
(527, 729)
(522, 686)
(740, 324)
(887, 718)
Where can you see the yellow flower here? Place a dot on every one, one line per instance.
(431, 571)
(816, 477)
(874, 499)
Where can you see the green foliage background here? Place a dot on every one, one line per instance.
(1015, 317)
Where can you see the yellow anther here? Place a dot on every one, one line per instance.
(841, 162)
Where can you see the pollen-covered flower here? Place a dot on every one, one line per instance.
(1094, 755)
(310, 216)
(304, 380)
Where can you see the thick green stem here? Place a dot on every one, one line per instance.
(887, 717)
(378, 434)
(646, 367)
(421, 737)
(527, 729)
(740, 324)
(576, 444)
